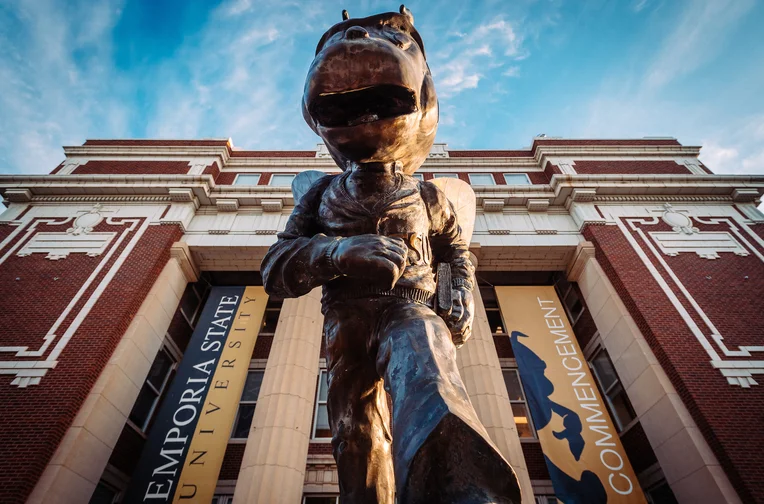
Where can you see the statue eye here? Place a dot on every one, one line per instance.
(398, 38)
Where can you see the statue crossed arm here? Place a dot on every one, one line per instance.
(304, 257)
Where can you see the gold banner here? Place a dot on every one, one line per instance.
(204, 459)
(583, 451)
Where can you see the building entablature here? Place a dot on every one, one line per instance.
(204, 190)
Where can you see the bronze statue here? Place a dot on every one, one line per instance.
(374, 238)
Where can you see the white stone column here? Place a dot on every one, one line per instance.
(479, 366)
(688, 463)
(273, 468)
(76, 467)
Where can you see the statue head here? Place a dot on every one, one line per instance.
(369, 92)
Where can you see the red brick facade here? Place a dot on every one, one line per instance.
(133, 168)
(729, 417)
(34, 419)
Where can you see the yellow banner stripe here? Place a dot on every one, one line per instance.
(537, 313)
(205, 454)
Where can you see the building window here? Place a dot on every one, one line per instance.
(481, 179)
(191, 303)
(446, 175)
(105, 494)
(617, 401)
(546, 499)
(160, 376)
(281, 180)
(247, 403)
(492, 311)
(660, 493)
(271, 316)
(570, 299)
(519, 404)
(222, 499)
(517, 179)
(321, 429)
(247, 179)
(418, 176)
(321, 499)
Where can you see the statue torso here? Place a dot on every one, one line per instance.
(398, 210)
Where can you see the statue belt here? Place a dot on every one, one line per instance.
(418, 295)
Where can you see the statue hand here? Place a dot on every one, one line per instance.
(462, 315)
(374, 257)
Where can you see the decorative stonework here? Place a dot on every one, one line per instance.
(28, 364)
(679, 222)
(735, 364)
(79, 238)
(688, 238)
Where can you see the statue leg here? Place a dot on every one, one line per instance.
(442, 453)
(358, 411)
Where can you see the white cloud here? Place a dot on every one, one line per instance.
(697, 38)
(57, 84)
(738, 149)
(638, 5)
(513, 71)
(466, 58)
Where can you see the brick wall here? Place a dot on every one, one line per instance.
(730, 418)
(234, 454)
(33, 420)
(534, 459)
(133, 168)
(630, 168)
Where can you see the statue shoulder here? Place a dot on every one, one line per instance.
(432, 193)
(309, 185)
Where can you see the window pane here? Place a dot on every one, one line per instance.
(604, 369)
(418, 176)
(243, 421)
(573, 302)
(252, 386)
(247, 179)
(521, 420)
(562, 285)
(489, 296)
(662, 494)
(320, 500)
(189, 302)
(446, 175)
(103, 494)
(270, 320)
(323, 384)
(159, 368)
(622, 409)
(495, 322)
(514, 389)
(481, 179)
(281, 180)
(516, 179)
(142, 406)
(322, 422)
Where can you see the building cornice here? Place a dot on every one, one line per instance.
(25, 188)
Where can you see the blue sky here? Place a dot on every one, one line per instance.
(504, 70)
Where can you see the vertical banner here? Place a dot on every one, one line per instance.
(184, 451)
(581, 446)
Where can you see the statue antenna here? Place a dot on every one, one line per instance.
(407, 13)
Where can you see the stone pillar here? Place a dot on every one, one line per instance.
(691, 469)
(479, 366)
(273, 468)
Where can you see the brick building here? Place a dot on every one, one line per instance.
(106, 262)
